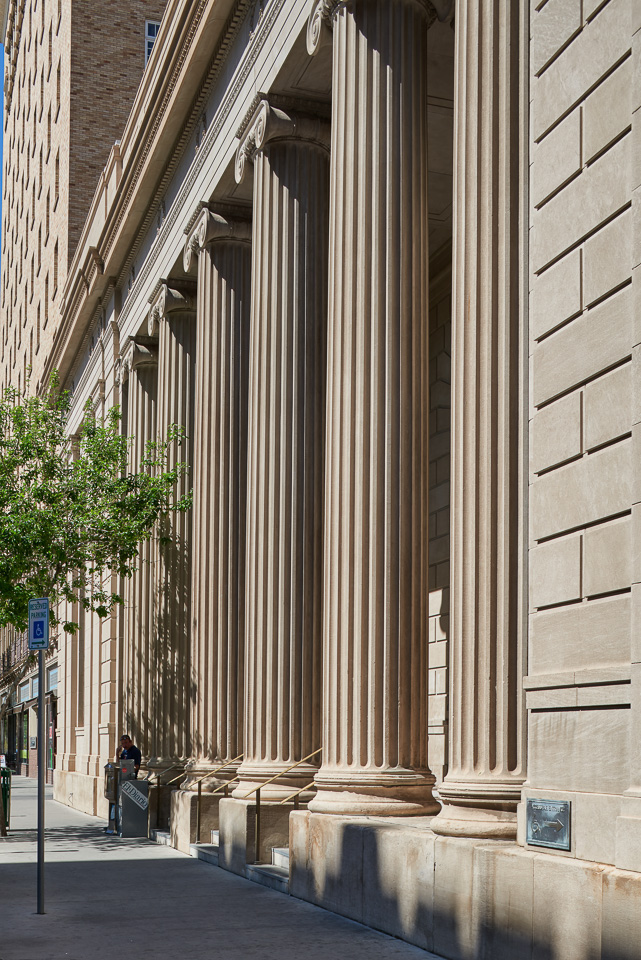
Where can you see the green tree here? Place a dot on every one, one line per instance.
(72, 512)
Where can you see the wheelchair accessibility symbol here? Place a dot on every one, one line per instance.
(38, 629)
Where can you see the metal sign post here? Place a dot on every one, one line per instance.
(39, 640)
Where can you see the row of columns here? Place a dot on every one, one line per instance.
(308, 587)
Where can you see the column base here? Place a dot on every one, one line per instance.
(254, 775)
(377, 794)
(482, 810)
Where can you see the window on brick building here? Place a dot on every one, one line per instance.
(46, 301)
(50, 54)
(59, 11)
(58, 89)
(31, 349)
(151, 32)
(40, 172)
(42, 90)
(39, 247)
(42, 17)
(38, 328)
(55, 268)
(47, 218)
(49, 131)
(33, 272)
(56, 179)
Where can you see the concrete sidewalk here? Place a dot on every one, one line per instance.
(108, 898)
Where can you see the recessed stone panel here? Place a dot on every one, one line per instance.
(579, 750)
(557, 157)
(606, 258)
(556, 295)
(556, 433)
(592, 488)
(555, 572)
(607, 111)
(593, 634)
(607, 407)
(581, 350)
(607, 557)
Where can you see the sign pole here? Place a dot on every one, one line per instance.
(39, 640)
(42, 761)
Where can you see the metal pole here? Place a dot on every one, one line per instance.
(42, 762)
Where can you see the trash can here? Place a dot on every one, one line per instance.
(5, 789)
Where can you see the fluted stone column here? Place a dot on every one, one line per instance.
(376, 504)
(172, 319)
(285, 446)
(486, 761)
(140, 368)
(222, 246)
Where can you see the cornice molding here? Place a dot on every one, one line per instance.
(212, 225)
(202, 157)
(269, 122)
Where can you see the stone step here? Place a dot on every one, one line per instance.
(204, 851)
(277, 878)
(162, 837)
(280, 857)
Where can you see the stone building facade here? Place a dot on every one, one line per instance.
(379, 260)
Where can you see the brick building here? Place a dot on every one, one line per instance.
(71, 73)
(379, 260)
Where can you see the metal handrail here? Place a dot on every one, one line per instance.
(257, 790)
(295, 796)
(210, 773)
(282, 773)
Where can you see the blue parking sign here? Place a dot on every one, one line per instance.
(39, 624)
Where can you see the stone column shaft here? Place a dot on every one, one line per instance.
(486, 758)
(141, 367)
(222, 246)
(286, 447)
(173, 319)
(376, 505)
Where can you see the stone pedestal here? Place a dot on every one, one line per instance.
(237, 838)
(140, 371)
(285, 445)
(486, 759)
(376, 510)
(172, 319)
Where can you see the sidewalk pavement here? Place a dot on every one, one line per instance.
(109, 898)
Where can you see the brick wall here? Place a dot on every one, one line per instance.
(107, 63)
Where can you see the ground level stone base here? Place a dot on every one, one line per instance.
(464, 899)
(184, 818)
(80, 791)
(237, 839)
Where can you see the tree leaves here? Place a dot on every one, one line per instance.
(72, 512)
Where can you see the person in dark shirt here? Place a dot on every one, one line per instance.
(127, 751)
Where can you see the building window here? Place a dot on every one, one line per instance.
(34, 687)
(38, 328)
(39, 247)
(23, 692)
(46, 299)
(55, 268)
(151, 32)
(52, 679)
(49, 131)
(56, 179)
(50, 58)
(47, 218)
(58, 89)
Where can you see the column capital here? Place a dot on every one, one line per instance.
(266, 121)
(211, 225)
(138, 352)
(323, 12)
(171, 297)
